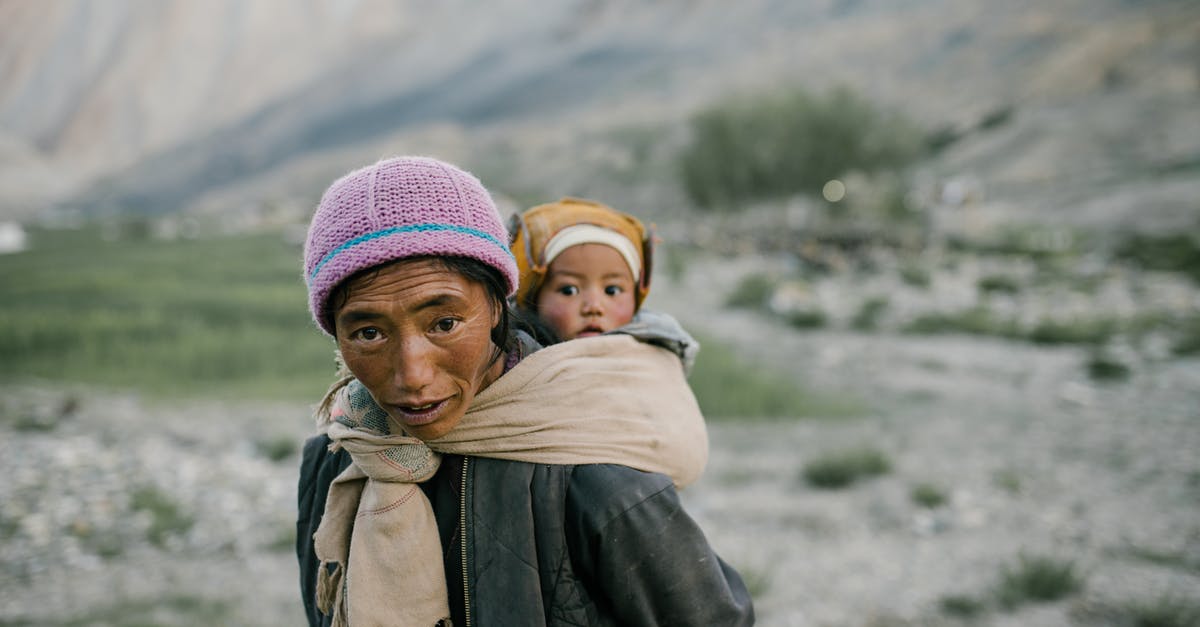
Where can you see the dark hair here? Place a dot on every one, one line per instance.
(493, 282)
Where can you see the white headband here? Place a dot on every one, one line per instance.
(592, 234)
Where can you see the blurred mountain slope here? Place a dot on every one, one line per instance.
(156, 106)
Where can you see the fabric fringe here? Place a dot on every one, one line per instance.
(329, 592)
(341, 379)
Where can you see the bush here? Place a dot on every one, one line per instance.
(729, 387)
(998, 283)
(167, 518)
(961, 606)
(840, 469)
(751, 292)
(1103, 368)
(1177, 252)
(869, 313)
(1094, 331)
(978, 321)
(928, 495)
(780, 144)
(807, 319)
(1037, 579)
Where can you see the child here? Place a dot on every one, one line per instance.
(585, 270)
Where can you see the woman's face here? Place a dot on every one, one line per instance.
(419, 337)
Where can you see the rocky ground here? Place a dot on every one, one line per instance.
(120, 510)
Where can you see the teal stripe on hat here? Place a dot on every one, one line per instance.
(412, 228)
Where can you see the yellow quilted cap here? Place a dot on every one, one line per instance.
(532, 230)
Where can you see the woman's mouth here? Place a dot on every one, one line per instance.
(418, 414)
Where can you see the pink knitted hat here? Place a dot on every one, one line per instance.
(400, 207)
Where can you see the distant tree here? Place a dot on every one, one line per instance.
(783, 143)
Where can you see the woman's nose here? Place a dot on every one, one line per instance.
(414, 366)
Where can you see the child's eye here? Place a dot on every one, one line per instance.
(613, 290)
(568, 290)
(445, 325)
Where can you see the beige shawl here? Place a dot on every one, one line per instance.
(608, 399)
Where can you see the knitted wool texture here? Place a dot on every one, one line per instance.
(534, 228)
(398, 208)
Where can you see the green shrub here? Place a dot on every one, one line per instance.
(1038, 579)
(1082, 331)
(1163, 611)
(915, 275)
(167, 518)
(978, 321)
(779, 144)
(1103, 368)
(842, 468)
(1175, 252)
(807, 319)
(928, 495)
(998, 283)
(751, 292)
(869, 313)
(1187, 340)
(277, 448)
(1007, 480)
(961, 606)
(729, 387)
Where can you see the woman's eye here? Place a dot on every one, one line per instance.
(445, 325)
(568, 290)
(368, 334)
(613, 290)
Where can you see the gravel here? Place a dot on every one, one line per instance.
(118, 509)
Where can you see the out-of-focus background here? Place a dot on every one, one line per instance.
(943, 255)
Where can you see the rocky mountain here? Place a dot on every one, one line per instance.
(164, 106)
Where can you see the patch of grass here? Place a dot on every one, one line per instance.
(217, 315)
(1037, 579)
(277, 448)
(998, 284)
(173, 610)
(978, 321)
(1085, 331)
(751, 292)
(1106, 369)
(1174, 252)
(915, 275)
(869, 313)
(167, 518)
(1178, 560)
(757, 580)
(928, 495)
(961, 606)
(807, 319)
(1187, 340)
(1007, 480)
(728, 387)
(1161, 610)
(284, 541)
(1164, 611)
(843, 468)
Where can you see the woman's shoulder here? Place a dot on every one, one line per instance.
(603, 492)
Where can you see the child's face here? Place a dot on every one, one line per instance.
(588, 290)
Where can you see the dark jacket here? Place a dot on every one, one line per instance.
(595, 544)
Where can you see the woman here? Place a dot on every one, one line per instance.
(564, 515)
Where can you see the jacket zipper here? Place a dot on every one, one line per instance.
(462, 521)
